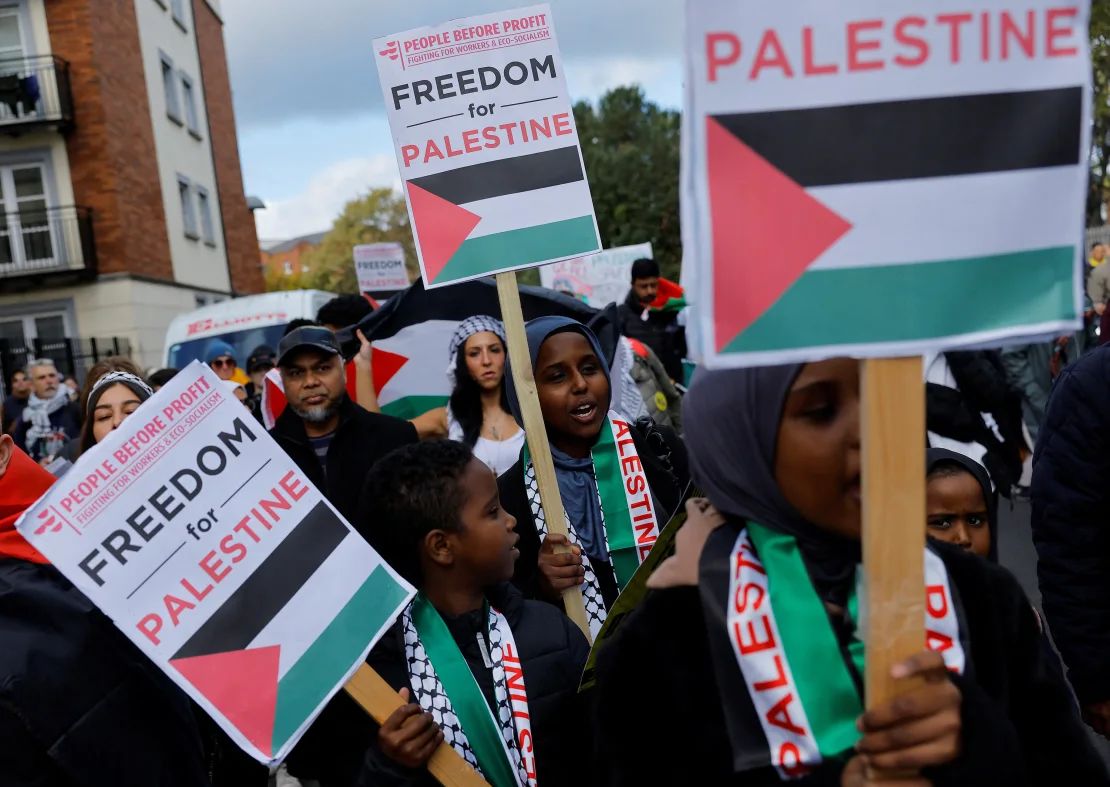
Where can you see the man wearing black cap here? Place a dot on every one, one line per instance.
(333, 440)
(659, 330)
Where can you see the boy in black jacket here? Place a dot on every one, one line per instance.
(434, 514)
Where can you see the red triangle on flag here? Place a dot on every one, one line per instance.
(242, 684)
(766, 231)
(441, 228)
(385, 365)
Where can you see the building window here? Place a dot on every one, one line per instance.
(287, 266)
(205, 205)
(169, 85)
(188, 97)
(178, 9)
(188, 210)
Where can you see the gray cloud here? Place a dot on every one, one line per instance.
(292, 59)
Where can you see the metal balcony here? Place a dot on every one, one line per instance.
(34, 91)
(50, 241)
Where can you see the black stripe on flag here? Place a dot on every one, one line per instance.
(254, 603)
(922, 138)
(505, 176)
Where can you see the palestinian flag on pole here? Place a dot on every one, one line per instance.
(466, 220)
(267, 672)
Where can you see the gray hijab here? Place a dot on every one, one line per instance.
(731, 422)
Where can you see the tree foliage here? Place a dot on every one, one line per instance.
(631, 148)
(377, 217)
(1099, 194)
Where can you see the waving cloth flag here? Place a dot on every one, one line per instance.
(866, 178)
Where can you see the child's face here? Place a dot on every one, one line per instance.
(484, 546)
(572, 388)
(957, 513)
(817, 456)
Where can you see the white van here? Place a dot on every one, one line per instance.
(244, 323)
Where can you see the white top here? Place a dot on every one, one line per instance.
(498, 455)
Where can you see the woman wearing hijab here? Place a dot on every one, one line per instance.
(619, 482)
(758, 624)
(961, 504)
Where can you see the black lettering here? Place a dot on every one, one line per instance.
(236, 437)
(399, 92)
(422, 89)
(93, 571)
(188, 494)
(124, 545)
(444, 87)
(207, 450)
(494, 74)
(509, 73)
(465, 80)
(141, 527)
(165, 507)
(538, 67)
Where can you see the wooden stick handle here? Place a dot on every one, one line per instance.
(893, 467)
(535, 431)
(378, 698)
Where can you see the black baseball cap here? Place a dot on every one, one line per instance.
(262, 356)
(307, 338)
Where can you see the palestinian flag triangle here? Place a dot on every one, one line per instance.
(500, 215)
(803, 206)
(276, 648)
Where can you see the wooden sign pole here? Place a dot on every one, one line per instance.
(893, 467)
(378, 698)
(535, 431)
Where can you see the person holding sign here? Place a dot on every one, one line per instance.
(619, 480)
(763, 627)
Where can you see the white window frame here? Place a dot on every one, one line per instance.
(177, 10)
(188, 209)
(169, 88)
(204, 209)
(189, 100)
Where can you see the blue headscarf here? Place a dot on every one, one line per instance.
(577, 485)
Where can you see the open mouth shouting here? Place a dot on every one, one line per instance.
(585, 412)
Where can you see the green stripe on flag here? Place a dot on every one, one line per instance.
(308, 681)
(917, 301)
(408, 407)
(516, 248)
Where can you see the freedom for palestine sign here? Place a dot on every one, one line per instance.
(486, 144)
(875, 178)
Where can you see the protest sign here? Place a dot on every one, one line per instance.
(203, 542)
(877, 179)
(601, 278)
(380, 267)
(486, 144)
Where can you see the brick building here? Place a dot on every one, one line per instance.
(283, 258)
(122, 194)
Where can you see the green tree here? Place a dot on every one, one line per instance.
(631, 148)
(377, 217)
(1099, 194)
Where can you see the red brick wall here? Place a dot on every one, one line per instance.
(240, 236)
(111, 147)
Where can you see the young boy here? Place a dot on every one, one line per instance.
(492, 674)
(961, 503)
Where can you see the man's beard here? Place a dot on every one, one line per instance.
(317, 415)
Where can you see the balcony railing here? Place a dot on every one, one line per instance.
(54, 240)
(34, 91)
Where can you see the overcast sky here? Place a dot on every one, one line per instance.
(312, 128)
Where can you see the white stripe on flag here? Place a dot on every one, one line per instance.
(949, 218)
(542, 206)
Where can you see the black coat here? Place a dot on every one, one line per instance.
(1020, 726)
(341, 749)
(660, 331)
(663, 457)
(360, 440)
(66, 419)
(1071, 521)
(79, 704)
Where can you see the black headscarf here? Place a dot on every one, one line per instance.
(938, 456)
(731, 423)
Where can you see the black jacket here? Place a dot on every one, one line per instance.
(1071, 521)
(340, 749)
(65, 420)
(663, 456)
(360, 440)
(660, 331)
(79, 704)
(1020, 726)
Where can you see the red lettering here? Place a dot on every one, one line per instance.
(913, 42)
(811, 68)
(778, 682)
(790, 760)
(754, 644)
(644, 534)
(767, 59)
(229, 546)
(562, 124)
(150, 626)
(1054, 31)
(175, 606)
(214, 570)
(622, 443)
(622, 428)
(936, 601)
(451, 151)
(717, 58)
(489, 134)
(645, 502)
(856, 46)
(197, 594)
(1026, 41)
(740, 603)
(937, 642)
(954, 22)
(291, 484)
(985, 37)
(244, 527)
(636, 484)
(779, 715)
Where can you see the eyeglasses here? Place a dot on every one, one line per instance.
(216, 364)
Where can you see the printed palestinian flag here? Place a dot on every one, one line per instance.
(467, 221)
(325, 596)
(980, 191)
